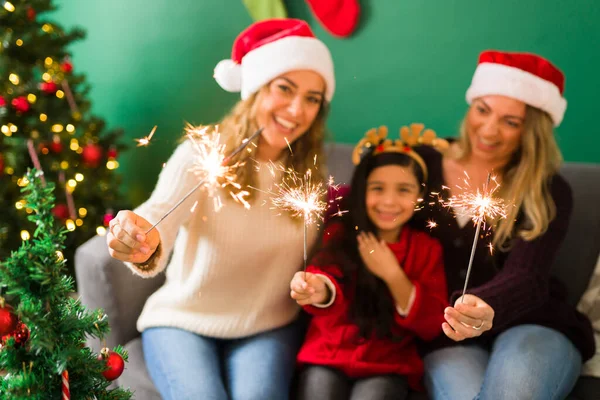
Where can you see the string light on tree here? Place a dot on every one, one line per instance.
(37, 85)
(8, 6)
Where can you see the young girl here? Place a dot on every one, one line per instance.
(375, 285)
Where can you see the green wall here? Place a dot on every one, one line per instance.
(150, 62)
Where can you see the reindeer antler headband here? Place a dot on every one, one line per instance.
(409, 138)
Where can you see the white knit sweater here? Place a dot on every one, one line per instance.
(230, 272)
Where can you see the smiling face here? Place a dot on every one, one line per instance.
(391, 195)
(287, 109)
(494, 127)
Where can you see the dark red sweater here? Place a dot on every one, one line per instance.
(517, 284)
(332, 339)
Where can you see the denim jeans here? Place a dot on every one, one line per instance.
(184, 365)
(525, 362)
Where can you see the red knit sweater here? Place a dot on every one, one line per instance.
(332, 339)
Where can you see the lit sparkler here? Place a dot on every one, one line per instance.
(212, 167)
(479, 206)
(302, 197)
(145, 141)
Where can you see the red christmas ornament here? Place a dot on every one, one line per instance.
(112, 153)
(107, 218)
(61, 211)
(21, 334)
(8, 320)
(20, 104)
(56, 146)
(31, 13)
(114, 363)
(43, 148)
(66, 67)
(92, 155)
(2, 102)
(1, 164)
(48, 87)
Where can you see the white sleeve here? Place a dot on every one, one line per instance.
(174, 182)
(331, 287)
(411, 300)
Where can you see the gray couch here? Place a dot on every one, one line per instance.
(106, 283)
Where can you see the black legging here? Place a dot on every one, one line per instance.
(323, 383)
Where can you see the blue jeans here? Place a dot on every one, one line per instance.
(525, 362)
(184, 365)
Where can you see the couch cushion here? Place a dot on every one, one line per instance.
(576, 258)
(590, 306)
(586, 389)
(339, 162)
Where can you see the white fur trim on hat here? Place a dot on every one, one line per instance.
(504, 80)
(228, 75)
(270, 60)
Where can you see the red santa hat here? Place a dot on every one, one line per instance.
(270, 48)
(522, 76)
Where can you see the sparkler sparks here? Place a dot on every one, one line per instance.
(288, 145)
(302, 197)
(479, 206)
(212, 166)
(145, 141)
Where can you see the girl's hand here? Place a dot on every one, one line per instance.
(309, 290)
(377, 256)
(127, 240)
(469, 319)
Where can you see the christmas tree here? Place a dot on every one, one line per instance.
(43, 352)
(45, 122)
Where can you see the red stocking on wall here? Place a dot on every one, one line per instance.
(338, 17)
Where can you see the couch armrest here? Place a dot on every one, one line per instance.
(106, 283)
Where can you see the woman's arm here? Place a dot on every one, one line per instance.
(174, 182)
(425, 314)
(522, 285)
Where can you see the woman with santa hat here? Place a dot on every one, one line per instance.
(513, 335)
(223, 325)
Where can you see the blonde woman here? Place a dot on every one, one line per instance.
(514, 337)
(222, 326)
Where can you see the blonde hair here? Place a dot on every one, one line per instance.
(240, 123)
(525, 179)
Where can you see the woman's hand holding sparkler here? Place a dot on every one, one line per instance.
(127, 238)
(377, 256)
(470, 317)
(307, 288)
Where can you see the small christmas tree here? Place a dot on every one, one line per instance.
(44, 330)
(45, 122)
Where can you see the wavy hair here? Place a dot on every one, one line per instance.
(525, 179)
